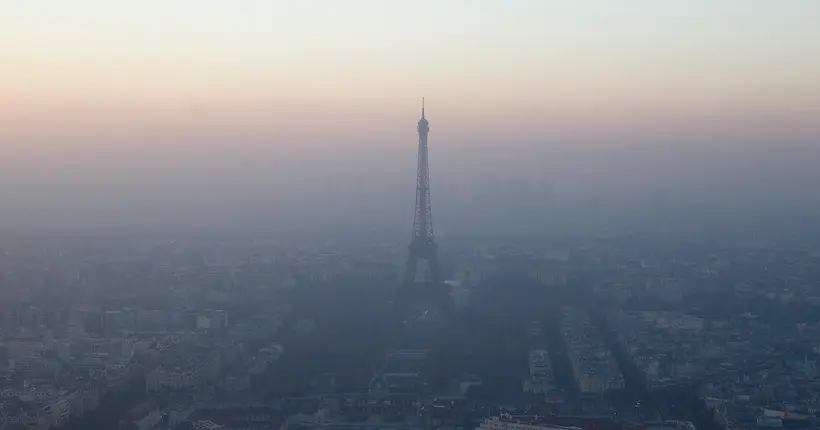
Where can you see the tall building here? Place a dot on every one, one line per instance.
(423, 244)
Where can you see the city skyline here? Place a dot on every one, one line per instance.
(219, 215)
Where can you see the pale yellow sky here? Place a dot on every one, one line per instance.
(97, 62)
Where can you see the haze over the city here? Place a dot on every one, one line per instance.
(409, 215)
(548, 116)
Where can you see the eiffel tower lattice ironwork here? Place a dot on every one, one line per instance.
(423, 243)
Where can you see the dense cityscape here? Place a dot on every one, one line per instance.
(530, 333)
(252, 334)
(225, 215)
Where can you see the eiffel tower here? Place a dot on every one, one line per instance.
(423, 243)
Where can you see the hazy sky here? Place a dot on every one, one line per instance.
(363, 57)
(181, 101)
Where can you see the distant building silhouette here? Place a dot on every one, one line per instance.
(423, 244)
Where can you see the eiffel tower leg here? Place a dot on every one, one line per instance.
(435, 269)
(410, 269)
